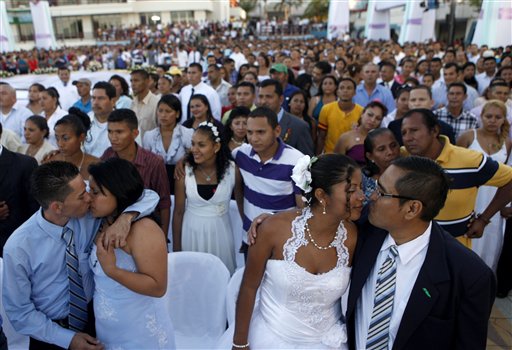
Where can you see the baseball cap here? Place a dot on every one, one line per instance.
(279, 67)
(83, 81)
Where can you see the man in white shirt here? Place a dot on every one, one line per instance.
(182, 56)
(220, 85)
(196, 86)
(144, 102)
(238, 57)
(67, 91)
(103, 95)
(417, 287)
(484, 79)
(12, 115)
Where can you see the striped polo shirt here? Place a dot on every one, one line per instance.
(467, 169)
(268, 186)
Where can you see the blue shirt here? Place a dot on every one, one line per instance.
(440, 96)
(15, 119)
(267, 186)
(86, 108)
(35, 266)
(380, 93)
(288, 92)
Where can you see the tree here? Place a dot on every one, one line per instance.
(476, 3)
(248, 5)
(318, 9)
(286, 5)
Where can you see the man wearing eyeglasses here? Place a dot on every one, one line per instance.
(467, 169)
(412, 285)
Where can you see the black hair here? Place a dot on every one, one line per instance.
(110, 90)
(324, 66)
(121, 178)
(436, 59)
(423, 87)
(50, 182)
(371, 168)
(451, 65)
(265, 112)
(77, 120)
(304, 115)
(490, 58)
(377, 104)
(214, 65)
(124, 115)
(402, 90)
(40, 123)
(172, 102)
(265, 58)
(222, 157)
(141, 72)
(246, 84)
(328, 76)
(52, 92)
(39, 87)
(348, 79)
(458, 84)
(428, 117)
(124, 84)
(204, 100)
(272, 82)
(388, 64)
(425, 181)
(304, 81)
(197, 65)
(329, 170)
(236, 112)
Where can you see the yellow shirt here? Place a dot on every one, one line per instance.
(336, 122)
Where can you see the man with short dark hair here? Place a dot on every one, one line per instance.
(279, 72)
(144, 102)
(454, 113)
(468, 169)
(498, 90)
(484, 79)
(122, 133)
(264, 170)
(220, 85)
(245, 96)
(67, 92)
(294, 131)
(319, 71)
(452, 73)
(103, 103)
(387, 72)
(415, 287)
(197, 86)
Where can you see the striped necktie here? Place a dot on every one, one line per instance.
(378, 332)
(77, 300)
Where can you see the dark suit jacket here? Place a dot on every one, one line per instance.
(394, 88)
(15, 171)
(461, 288)
(445, 129)
(296, 133)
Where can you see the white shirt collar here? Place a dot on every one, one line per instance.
(1, 149)
(409, 250)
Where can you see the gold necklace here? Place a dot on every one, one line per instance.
(236, 142)
(331, 245)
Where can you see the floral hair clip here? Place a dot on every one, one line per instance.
(301, 173)
(213, 128)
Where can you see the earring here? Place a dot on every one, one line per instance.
(323, 211)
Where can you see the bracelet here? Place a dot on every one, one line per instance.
(480, 217)
(240, 346)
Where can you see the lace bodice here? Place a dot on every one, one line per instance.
(301, 306)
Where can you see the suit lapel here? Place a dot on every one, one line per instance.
(5, 163)
(285, 124)
(425, 292)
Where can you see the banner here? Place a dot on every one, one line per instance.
(377, 23)
(6, 38)
(43, 25)
(494, 25)
(418, 25)
(339, 19)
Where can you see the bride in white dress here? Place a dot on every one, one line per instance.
(301, 264)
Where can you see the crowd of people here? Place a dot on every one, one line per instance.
(387, 168)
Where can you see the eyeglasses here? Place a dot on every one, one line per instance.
(390, 195)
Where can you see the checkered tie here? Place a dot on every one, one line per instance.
(378, 333)
(77, 300)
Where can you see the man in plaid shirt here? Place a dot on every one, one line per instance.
(453, 113)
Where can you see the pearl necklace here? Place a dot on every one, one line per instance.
(236, 142)
(331, 245)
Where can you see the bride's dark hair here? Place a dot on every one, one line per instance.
(329, 170)
(119, 177)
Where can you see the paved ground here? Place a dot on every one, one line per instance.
(500, 325)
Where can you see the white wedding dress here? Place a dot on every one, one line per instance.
(297, 309)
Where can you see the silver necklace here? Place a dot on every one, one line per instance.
(208, 177)
(331, 245)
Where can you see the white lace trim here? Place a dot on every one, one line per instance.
(156, 330)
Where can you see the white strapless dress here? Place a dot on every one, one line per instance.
(297, 309)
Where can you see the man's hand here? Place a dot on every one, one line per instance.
(506, 212)
(475, 228)
(179, 169)
(4, 210)
(50, 155)
(82, 341)
(252, 233)
(117, 233)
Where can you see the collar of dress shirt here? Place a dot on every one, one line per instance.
(280, 115)
(54, 231)
(1, 149)
(409, 250)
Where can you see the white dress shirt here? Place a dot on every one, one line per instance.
(411, 256)
(97, 140)
(67, 94)
(483, 81)
(52, 120)
(222, 90)
(15, 119)
(203, 89)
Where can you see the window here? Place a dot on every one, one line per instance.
(68, 28)
(182, 16)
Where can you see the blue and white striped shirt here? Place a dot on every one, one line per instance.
(267, 186)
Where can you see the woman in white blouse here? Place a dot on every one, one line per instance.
(36, 132)
(123, 99)
(170, 140)
(49, 99)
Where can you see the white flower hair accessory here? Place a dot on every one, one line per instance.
(213, 128)
(301, 173)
